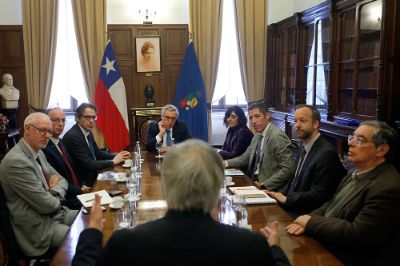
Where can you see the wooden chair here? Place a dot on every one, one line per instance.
(143, 130)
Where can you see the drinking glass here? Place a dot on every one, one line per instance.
(131, 184)
(241, 211)
(158, 148)
(124, 218)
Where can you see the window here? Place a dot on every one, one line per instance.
(317, 68)
(228, 87)
(68, 78)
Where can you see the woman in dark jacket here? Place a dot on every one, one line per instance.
(239, 136)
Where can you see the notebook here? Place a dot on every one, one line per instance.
(88, 198)
(252, 195)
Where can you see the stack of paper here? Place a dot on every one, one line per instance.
(88, 198)
(233, 171)
(252, 195)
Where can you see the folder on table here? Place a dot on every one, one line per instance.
(252, 195)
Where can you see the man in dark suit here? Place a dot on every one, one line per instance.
(360, 224)
(319, 170)
(81, 146)
(58, 157)
(189, 233)
(167, 130)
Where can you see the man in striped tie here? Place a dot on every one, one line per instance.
(58, 157)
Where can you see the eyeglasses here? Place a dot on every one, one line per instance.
(60, 120)
(170, 118)
(43, 131)
(357, 140)
(90, 117)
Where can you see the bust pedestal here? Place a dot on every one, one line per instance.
(12, 117)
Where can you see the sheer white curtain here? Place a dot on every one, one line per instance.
(68, 77)
(229, 81)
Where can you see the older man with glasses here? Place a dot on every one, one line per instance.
(167, 131)
(34, 190)
(81, 146)
(360, 224)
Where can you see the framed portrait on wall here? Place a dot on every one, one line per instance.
(148, 54)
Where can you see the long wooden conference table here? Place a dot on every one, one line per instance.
(301, 250)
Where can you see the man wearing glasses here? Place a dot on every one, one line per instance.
(360, 224)
(81, 146)
(34, 190)
(168, 130)
(58, 157)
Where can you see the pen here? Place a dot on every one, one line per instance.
(89, 200)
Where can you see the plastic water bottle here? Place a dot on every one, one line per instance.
(137, 148)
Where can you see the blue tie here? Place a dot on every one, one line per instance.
(169, 139)
(91, 147)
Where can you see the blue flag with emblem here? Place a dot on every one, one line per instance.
(190, 96)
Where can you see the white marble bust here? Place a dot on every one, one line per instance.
(9, 94)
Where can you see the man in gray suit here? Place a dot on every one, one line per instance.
(360, 224)
(269, 158)
(33, 190)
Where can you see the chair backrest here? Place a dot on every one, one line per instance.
(143, 129)
(9, 245)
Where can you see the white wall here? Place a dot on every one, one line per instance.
(118, 11)
(281, 9)
(167, 11)
(302, 5)
(10, 12)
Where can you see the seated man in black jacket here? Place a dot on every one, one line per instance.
(192, 175)
(319, 170)
(85, 154)
(58, 157)
(166, 129)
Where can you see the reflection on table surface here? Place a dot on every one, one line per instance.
(301, 250)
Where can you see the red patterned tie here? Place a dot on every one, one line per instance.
(64, 155)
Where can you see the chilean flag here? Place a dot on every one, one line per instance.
(110, 98)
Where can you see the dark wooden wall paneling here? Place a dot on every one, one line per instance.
(12, 61)
(173, 43)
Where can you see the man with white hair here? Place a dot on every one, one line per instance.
(34, 190)
(168, 130)
(192, 175)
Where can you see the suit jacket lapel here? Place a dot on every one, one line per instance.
(363, 183)
(314, 149)
(55, 150)
(253, 145)
(37, 169)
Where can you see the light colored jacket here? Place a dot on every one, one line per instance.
(277, 164)
(34, 212)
